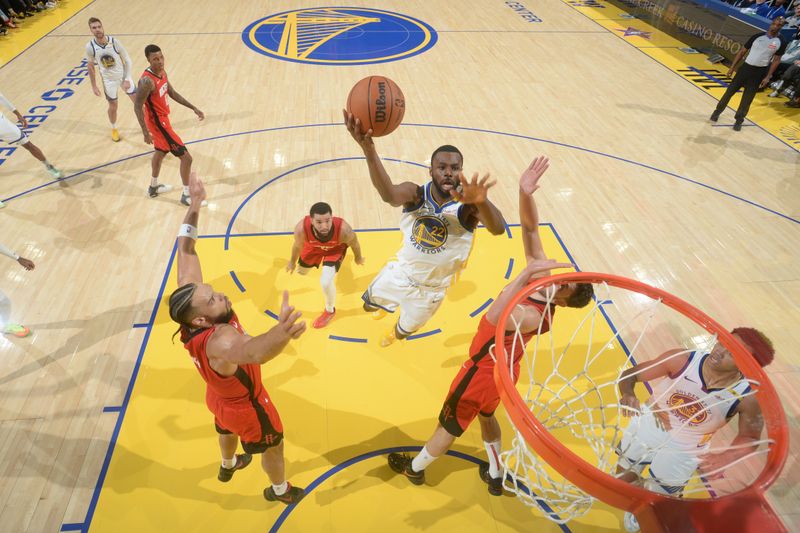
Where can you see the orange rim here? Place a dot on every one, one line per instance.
(599, 484)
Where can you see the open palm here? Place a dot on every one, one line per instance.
(473, 192)
(529, 181)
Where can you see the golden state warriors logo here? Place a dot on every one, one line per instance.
(339, 36)
(686, 407)
(429, 234)
(107, 61)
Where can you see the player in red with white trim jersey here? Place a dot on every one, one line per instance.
(229, 360)
(322, 239)
(152, 110)
(473, 392)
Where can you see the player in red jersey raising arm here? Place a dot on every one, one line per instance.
(322, 239)
(473, 393)
(229, 360)
(152, 110)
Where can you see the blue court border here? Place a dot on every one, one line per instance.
(84, 526)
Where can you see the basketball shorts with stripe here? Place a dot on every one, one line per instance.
(255, 421)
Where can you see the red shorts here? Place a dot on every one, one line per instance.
(255, 421)
(164, 137)
(316, 258)
(472, 392)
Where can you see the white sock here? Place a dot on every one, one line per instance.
(229, 463)
(186, 193)
(422, 460)
(328, 287)
(493, 451)
(154, 181)
(281, 489)
(113, 125)
(46, 163)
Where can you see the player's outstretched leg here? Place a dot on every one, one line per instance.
(327, 278)
(231, 462)
(156, 188)
(414, 468)
(112, 118)
(401, 464)
(491, 472)
(186, 169)
(394, 334)
(280, 490)
(37, 153)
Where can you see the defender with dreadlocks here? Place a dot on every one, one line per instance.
(229, 360)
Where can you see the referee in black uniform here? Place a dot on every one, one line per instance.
(764, 52)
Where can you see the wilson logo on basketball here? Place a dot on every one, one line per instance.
(380, 103)
(686, 407)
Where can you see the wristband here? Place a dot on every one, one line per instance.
(187, 230)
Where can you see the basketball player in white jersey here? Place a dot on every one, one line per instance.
(9, 328)
(115, 67)
(697, 395)
(437, 223)
(13, 134)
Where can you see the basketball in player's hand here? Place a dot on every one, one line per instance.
(378, 103)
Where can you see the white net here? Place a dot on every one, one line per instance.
(568, 379)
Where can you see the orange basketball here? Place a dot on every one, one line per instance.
(378, 103)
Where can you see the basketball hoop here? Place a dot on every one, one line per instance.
(567, 416)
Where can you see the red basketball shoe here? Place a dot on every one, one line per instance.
(323, 319)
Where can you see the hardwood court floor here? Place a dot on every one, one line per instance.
(641, 185)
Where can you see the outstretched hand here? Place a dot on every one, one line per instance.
(287, 319)
(27, 264)
(197, 191)
(542, 265)
(473, 192)
(630, 405)
(353, 125)
(716, 461)
(529, 181)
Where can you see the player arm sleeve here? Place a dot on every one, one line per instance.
(8, 252)
(749, 44)
(126, 59)
(7, 103)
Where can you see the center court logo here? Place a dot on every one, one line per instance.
(339, 36)
(429, 234)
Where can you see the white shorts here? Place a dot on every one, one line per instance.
(393, 288)
(111, 87)
(644, 443)
(10, 132)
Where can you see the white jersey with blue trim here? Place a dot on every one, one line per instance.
(436, 245)
(695, 411)
(112, 59)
